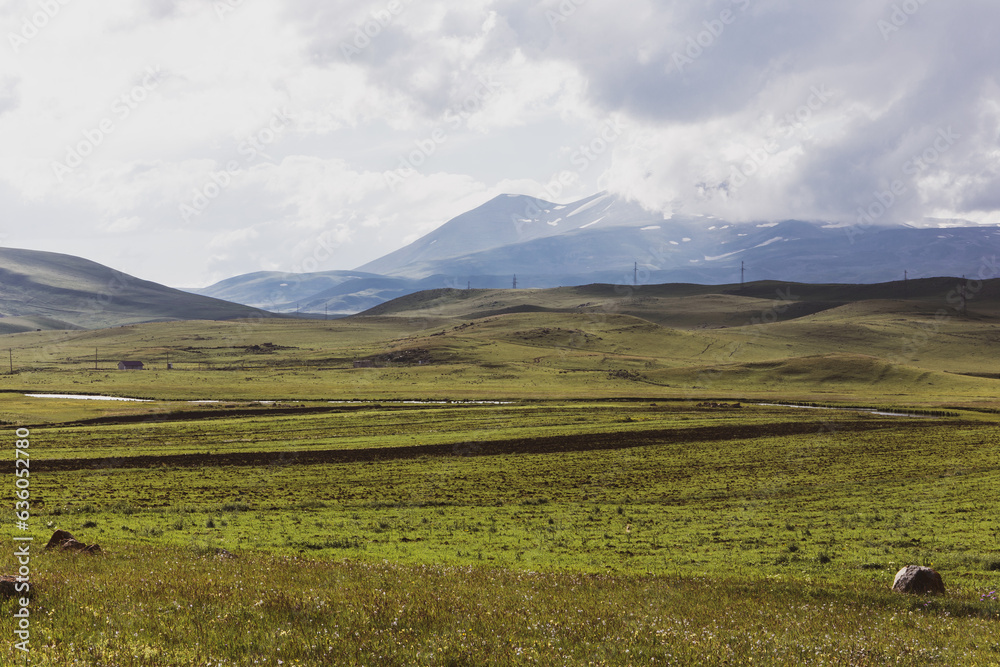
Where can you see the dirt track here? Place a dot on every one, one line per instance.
(541, 445)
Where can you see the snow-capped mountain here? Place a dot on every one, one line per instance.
(602, 237)
(606, 239)
(507, 220)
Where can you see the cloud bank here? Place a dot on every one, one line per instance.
(186, 141)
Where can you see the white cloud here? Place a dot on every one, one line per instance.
(731, 127)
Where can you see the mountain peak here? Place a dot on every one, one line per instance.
(506, 220)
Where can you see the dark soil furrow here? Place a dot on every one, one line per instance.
(539, 445)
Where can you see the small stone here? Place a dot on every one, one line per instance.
(72, 545)
(8, 586)
(64, 541)
(58, 538)
(918, 580)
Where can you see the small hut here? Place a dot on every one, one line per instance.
(131, 366)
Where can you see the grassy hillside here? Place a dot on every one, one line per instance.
(696, 305)
(519, 344)
(44, 290)
(605, 532)
(520, 478)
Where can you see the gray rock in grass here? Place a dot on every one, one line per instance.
(918, 580)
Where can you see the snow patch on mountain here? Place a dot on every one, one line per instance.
(769, 242)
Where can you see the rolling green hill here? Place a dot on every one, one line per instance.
(812, 343)
(698, 306)
(44, 290)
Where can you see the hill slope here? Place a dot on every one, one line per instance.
(685, 305)
(823, 343)
(332, 292)
(45, 290)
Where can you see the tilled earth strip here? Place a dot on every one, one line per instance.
(540, 445)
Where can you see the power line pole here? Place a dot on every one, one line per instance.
(906, 284)
(742, 274)
(11, 352)
(95, 358)
(515, 281)
(635, 275)
(963, 296)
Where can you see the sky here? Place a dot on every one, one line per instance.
(187, 141)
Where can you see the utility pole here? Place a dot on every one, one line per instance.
(906, 283)
(742, 274)
(468, 285)
(95, 358)
(11, 352)
(515, 281)
(963, 296)
(635, 275)
(326, 311)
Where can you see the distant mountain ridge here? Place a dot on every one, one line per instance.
(604, 235)
(46, 290)
(503, 221)
(605, 239)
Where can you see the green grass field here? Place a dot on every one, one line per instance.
(511, 488)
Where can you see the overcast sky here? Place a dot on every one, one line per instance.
(189, 141)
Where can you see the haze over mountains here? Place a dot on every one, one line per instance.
(604, 239)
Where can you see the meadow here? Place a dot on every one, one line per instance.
(509, 488)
